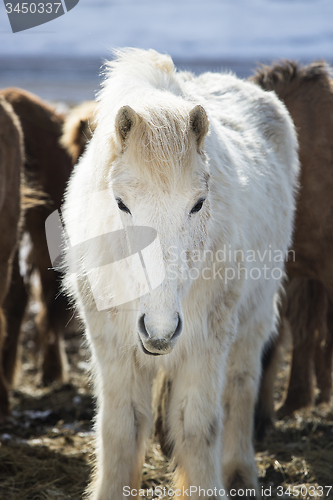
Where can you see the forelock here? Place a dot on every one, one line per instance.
(161, 145)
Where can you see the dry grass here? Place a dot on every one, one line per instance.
(47, 455)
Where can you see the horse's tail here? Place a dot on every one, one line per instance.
(32, 195)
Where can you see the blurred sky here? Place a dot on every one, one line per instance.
(214, 29)
(222, 32)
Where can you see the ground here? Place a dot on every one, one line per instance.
(46, 448)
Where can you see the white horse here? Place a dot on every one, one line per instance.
(209, 166)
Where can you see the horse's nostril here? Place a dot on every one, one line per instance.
(178, 330)
(142, 327)
(163, 337)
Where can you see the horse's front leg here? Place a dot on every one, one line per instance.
(123, 424)
(194, 421)
(239, 470)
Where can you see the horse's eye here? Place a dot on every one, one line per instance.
(198, 206)
(123, 207)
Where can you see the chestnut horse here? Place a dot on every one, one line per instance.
(78, 129)
(11, 167)
(307, 92)
(47, 167)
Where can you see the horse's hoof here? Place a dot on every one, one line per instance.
(323, 397)
(287, 410)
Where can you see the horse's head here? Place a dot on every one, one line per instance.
(160, 179)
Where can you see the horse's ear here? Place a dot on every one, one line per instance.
(126, 119)
(199, 123)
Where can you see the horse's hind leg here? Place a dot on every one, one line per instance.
(7, 252)
(323, 361)
(239, 470)
(270, 360)
(300, 392)
(161, 403)
(5, 273)
(52, 323)
(307, 306)
(52, 320)
(324, 380)
(14, 307)
(4, 398)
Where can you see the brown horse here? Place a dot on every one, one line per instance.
(48, 167)
(309, 313)
(308, 94)
(11, 163)
(78, 129)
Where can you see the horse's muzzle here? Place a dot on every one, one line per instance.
(155, 344)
